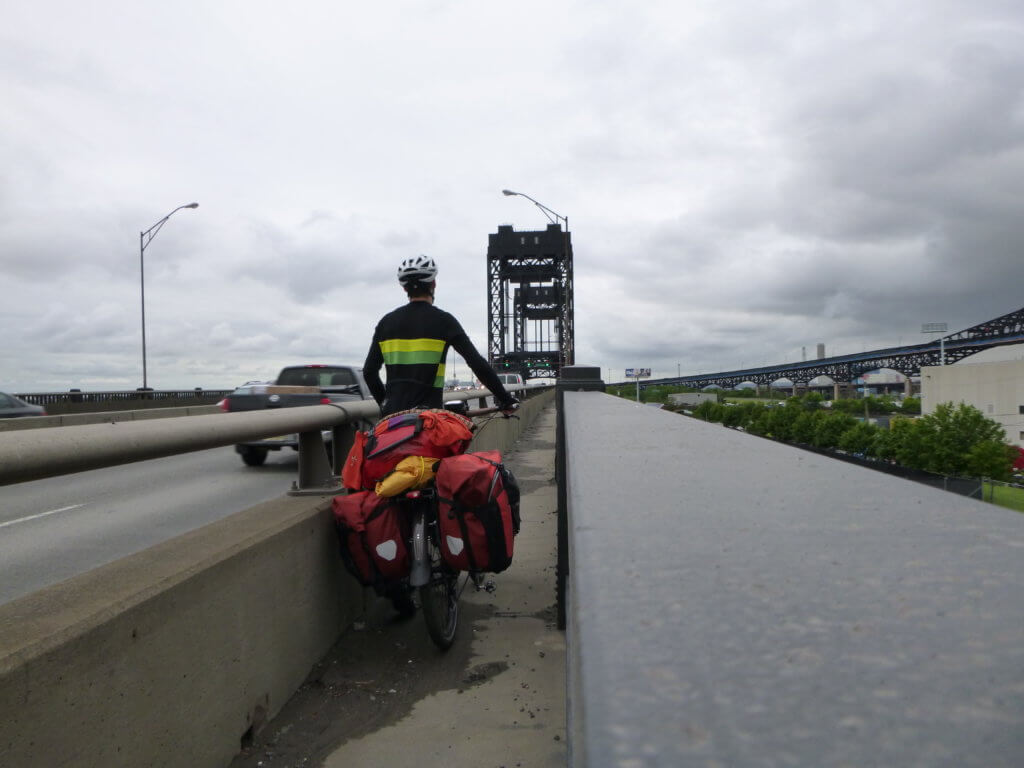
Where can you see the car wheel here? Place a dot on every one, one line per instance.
(254, 457)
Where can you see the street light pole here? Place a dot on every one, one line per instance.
(554, 218)
(938, 328)
(145, 238)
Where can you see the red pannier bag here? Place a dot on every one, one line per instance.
(352, 472)
(372, 537)
(433, 434)
(478, 512)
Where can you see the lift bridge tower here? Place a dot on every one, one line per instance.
(530, 306)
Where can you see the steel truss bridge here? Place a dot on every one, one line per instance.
(908, 360)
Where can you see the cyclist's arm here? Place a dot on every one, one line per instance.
(461, 344)
(371, 371)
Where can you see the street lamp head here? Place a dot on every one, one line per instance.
(192, 205)
(508, 192)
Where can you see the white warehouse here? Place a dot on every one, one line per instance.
(995, 389)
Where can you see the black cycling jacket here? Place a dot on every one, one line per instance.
(412, 342)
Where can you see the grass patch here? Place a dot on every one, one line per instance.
(1005, 496)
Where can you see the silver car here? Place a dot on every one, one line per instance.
(12, 407)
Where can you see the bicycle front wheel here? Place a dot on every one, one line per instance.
(439, 600)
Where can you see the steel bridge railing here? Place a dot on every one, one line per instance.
(40, 453)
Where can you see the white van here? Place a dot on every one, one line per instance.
(510, 379)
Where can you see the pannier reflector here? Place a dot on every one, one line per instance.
(454, 545)
(387, 549)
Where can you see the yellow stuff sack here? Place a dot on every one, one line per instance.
(410, 473)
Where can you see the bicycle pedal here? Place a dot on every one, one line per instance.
(490, 587)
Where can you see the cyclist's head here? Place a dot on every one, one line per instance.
(417, 276)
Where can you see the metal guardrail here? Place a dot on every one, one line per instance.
(39, 453)
(736, 601)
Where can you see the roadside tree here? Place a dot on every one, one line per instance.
(991, 459)
(780, 420)
(803, 427)
(709, 411)
(859, 438)
(905, 444)
(829, 429)
(949, 434)
(911, 406)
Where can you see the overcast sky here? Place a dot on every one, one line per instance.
(742, 179)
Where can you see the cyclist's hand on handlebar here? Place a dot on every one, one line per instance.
(509, 407)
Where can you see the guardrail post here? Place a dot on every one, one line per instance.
(573, 378)
(315, 475)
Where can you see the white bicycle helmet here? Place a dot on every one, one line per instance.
(421, 269)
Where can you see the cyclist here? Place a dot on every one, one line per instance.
(412, 342)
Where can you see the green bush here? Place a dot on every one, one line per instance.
(732, 416)
(780, 421)
(859, 438)
(804, 426)
(911, 406)
(709, 411)
(759, 424)
(829, 429)
(954, 440)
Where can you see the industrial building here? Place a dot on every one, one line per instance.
(996, 389)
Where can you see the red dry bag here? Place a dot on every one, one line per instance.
(433, 434)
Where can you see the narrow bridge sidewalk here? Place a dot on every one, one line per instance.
(386, 696)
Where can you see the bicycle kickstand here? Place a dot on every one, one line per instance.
(479, 583)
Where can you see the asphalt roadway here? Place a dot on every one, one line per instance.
(59, 527)
(385, 695)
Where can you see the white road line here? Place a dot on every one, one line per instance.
(41, 514)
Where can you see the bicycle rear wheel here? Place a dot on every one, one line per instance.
(439, 600)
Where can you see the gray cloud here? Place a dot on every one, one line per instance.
(742, 180)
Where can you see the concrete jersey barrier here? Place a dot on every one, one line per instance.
(104, 417)
(170, 657)
(737, 601)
